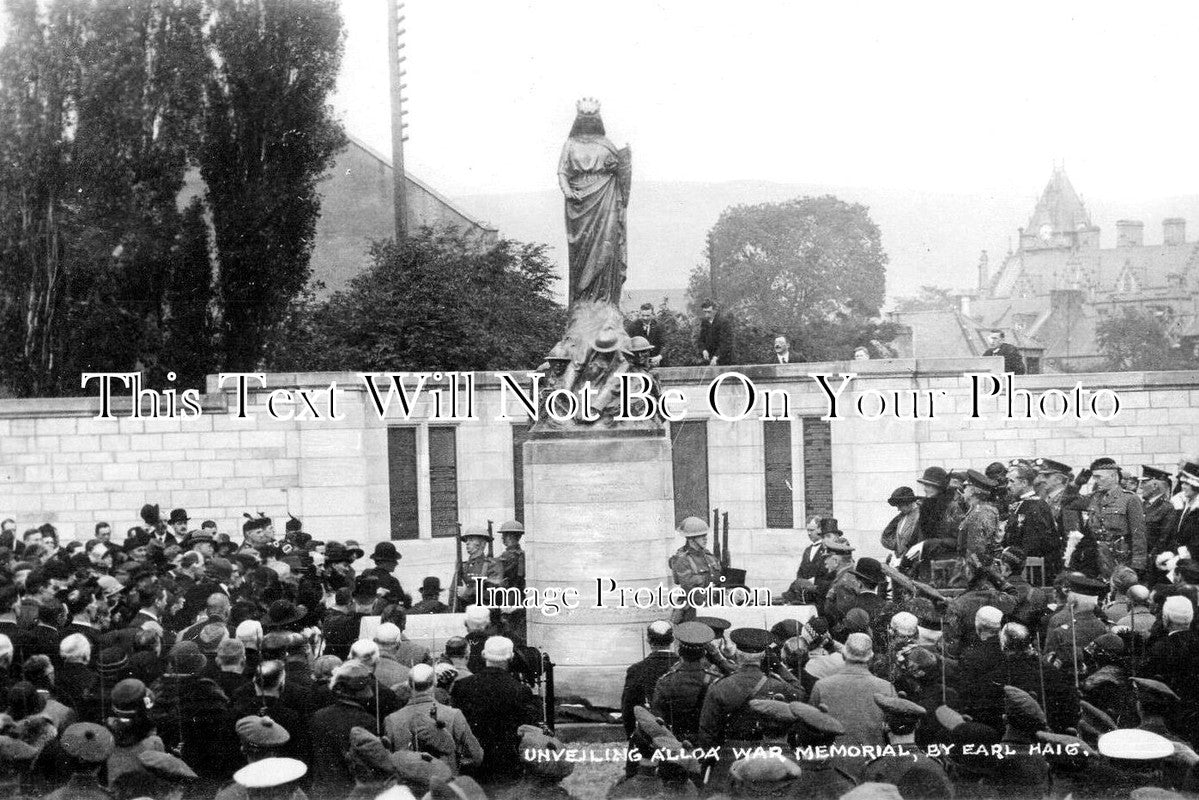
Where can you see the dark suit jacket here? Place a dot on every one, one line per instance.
(1186, 533)
(654, 335)
(1158, 531)
(1013, 362)
(639, 684)
(717, 338)
(1031, 528)
(495, 705)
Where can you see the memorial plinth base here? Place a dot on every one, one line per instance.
(597, 509)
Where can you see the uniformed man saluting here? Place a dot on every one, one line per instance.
(693, 564)
(477, 565)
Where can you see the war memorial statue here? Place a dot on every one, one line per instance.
(595, 359)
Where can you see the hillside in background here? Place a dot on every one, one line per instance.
(930, 238)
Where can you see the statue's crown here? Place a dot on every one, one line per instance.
(588, 105)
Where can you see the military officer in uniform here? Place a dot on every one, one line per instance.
(512, 560)
(914, 767)
(1117, 521)
(679, 694)
(1155, 498)
(693, 564)
(477, 565)
(726, 719)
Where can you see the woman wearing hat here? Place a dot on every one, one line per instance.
(133, 731)
(900, 533)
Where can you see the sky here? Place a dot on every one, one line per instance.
(927, 96)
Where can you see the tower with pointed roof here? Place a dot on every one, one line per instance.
(1060, 218)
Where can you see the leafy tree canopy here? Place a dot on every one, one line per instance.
(1134, 340)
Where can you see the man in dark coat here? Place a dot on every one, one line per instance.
(1021, 668)
(354, 706)
(496, 704)
(645, 325)
(1173, 656)
(386, 558)
(1030, 525)
(715, 336)
(1013, 362)
(641, 677)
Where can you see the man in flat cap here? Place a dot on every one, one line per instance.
(693, 565)
(355, 705)
(1157, 703)
(641, 677)
(849, 694)
(1025, 773)
(811, 728)
(726, 719)
(370, 765)
(86, 747)
(912, 766)
(678, 696)
(1116, 520)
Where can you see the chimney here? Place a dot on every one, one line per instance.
(964, 303)
(1130, 233)
(1174, 231)
(984, 272)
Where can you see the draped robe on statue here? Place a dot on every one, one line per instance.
(595, 222)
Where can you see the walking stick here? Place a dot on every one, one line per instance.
(1073, 644)
(1041, 669)
(944, 702)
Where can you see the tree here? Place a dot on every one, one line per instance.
(435, 301)
(929, 298)
(269, 135)
(99, 108)
(1134, 340)
(812, 269)
(188, 329)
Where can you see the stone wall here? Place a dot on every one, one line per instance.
(60, 464)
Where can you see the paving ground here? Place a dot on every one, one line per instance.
(591, 781)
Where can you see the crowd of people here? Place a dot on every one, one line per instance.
(1031, 633)
(180, 663)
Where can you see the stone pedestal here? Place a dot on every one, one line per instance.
(596, 508)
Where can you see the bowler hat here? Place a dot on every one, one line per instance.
(936, 477)
(177, 515)
(431, 585)
(385, 551)
(902, 496)
(870, 571)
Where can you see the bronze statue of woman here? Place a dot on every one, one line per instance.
(595, 179)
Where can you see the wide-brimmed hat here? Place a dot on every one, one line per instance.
(1189, 474)
(936, 477)
(336, 552)
(902, 496)
(282, 613)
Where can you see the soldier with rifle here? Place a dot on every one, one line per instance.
(693, 565)
(477, 565)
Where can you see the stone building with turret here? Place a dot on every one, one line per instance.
(1060, 282)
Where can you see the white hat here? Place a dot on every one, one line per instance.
(990, 615)
(905, 623)
(858, 648)
(1178, 609)
(421, 673)
(477, 615)
(387, 633)
(75, 646)
(1134, 745)
(270, 772)
(497, 648)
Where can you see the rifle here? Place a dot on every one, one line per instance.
(911, 586)
(490, 541)
(716, 535)
(1073, 644)
(457, 569)
(724, 545)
